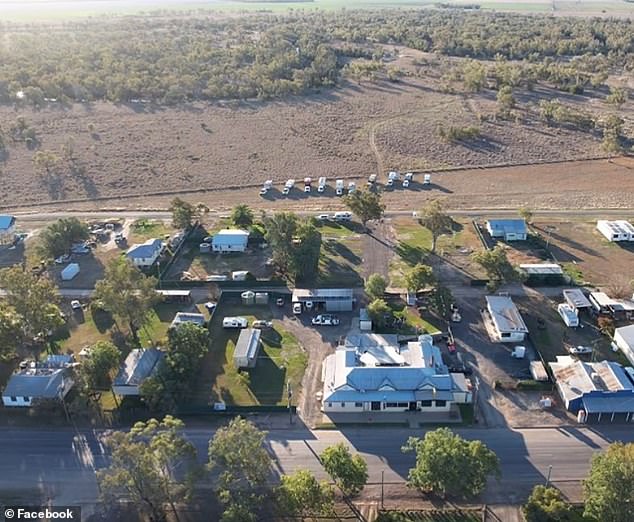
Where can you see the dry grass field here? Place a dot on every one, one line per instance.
(350, 132)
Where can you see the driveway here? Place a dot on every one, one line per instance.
(378, 248)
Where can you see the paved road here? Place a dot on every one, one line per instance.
(61, 462)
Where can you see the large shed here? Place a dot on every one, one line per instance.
(506, 319)
(328, 299)
(507, 229)
(230, 240)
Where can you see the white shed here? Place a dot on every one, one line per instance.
(230, 240)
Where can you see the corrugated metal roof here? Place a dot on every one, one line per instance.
(505, 314)
(627, 334)
(517, 226)
(322, 293)
(542, 268)
(612, 404)
(45, 385)
(6, 221)
(145, 250)
(138, 366)
(248, 343)
(576, 298)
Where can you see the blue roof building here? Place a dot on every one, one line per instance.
(595, 391)
(144, 255)
(7, 228)
(507, 229)
(370, 372)
(137, 367)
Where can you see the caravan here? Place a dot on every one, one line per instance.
(339, 187)
(568, 314)
(322, 184)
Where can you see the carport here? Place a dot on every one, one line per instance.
(329, 299)
(608, 409)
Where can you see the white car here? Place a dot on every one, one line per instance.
(235, 322)
(325, 320)
(323, 217)
(306, 188)
(580, 350)
(297, 308)
(63, 259)
(263, 191)
(262, 324)
(75, 305)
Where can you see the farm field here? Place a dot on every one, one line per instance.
(351, 132)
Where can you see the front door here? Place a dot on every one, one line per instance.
(376, 406)
(412, 406)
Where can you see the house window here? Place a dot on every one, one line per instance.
(391, 404)
(505, 334)
(440, 404)
(402, 404)
(358, 405)
(425, 404)
(343, 404)
(330, 404)
(14, 399)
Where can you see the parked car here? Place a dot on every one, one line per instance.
(262, 324)
(75, 304)
(279, 301)
(210, 306)
(80, 249)
(580, 350)
(325, 320)
(297, 308)
(61, 260)
(235, 322)
(323, 217)
(118, 237)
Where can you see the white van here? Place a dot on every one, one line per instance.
(235, 322)
(427, 179)
(342, 216)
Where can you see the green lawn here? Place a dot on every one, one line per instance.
(341, 256)
(281, 359)
(574, 272)
(414, 244)
(414, 322)
(144, 229)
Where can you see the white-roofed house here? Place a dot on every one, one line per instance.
(370, 373)
(144, 255)
(230, 240)
(508, 325)
(137, 367)
(616, 231)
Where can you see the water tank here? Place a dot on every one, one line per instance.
(248, 297)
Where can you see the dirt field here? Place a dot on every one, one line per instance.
(348, 132)
(600, 262)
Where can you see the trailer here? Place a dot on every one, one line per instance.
(339, 187)
(268, 184)
(352, 187)
(408, 179)
(322, 184)
(392, 177)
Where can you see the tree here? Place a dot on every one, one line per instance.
(242, 216)
(302, 495)
(474, 75)
(34, 301)
(238, 456)
(505, 99)
(280, 231)
(434, 219)
(546, 504)
(375, 286)
(496, 264)
(152, 466)
(98, 368)
(45, 161)
(379, 311)
(609, 488)
(617, 96)
(526, 214)
(448, 464)
(10, 331)
(127, 294)
(350, 472)
(306, 250)
(612, 132)
(420, 276)
(183, 213)
(58, 237)
(365, 204)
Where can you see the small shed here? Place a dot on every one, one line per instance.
(248, 297)
(365, 323)
(230, 240)
(247, 348)
(175, 296)
(328, 299)
(507, 229)
(538, 371)
(261, 298)
(70, 271)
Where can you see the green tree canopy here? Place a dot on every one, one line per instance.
(365, 204)
(434, 219)
(280, 231)
(127, 294)
(98, 369)
(496, 264)
(419, 277)
(546, 504)
(242, 464)
(609, 488)
(379, 311)
(448, 464)
(183, 213)
(242, 215)
(526, 214)
(375, 286)
(350, 472)
(11, 330)
(34, 300)
(305, 252)
(57, 238)
(301, 494)
(153, 466)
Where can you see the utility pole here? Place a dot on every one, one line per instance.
(550, 469)
(289, 394)
(382, 481)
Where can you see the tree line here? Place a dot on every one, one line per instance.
(172, 59)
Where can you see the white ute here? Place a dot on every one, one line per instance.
(235, 322)
(321, 187)
(392, 176)
(339, 187)
(268, 184)
(288, 186)
(307, 184)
